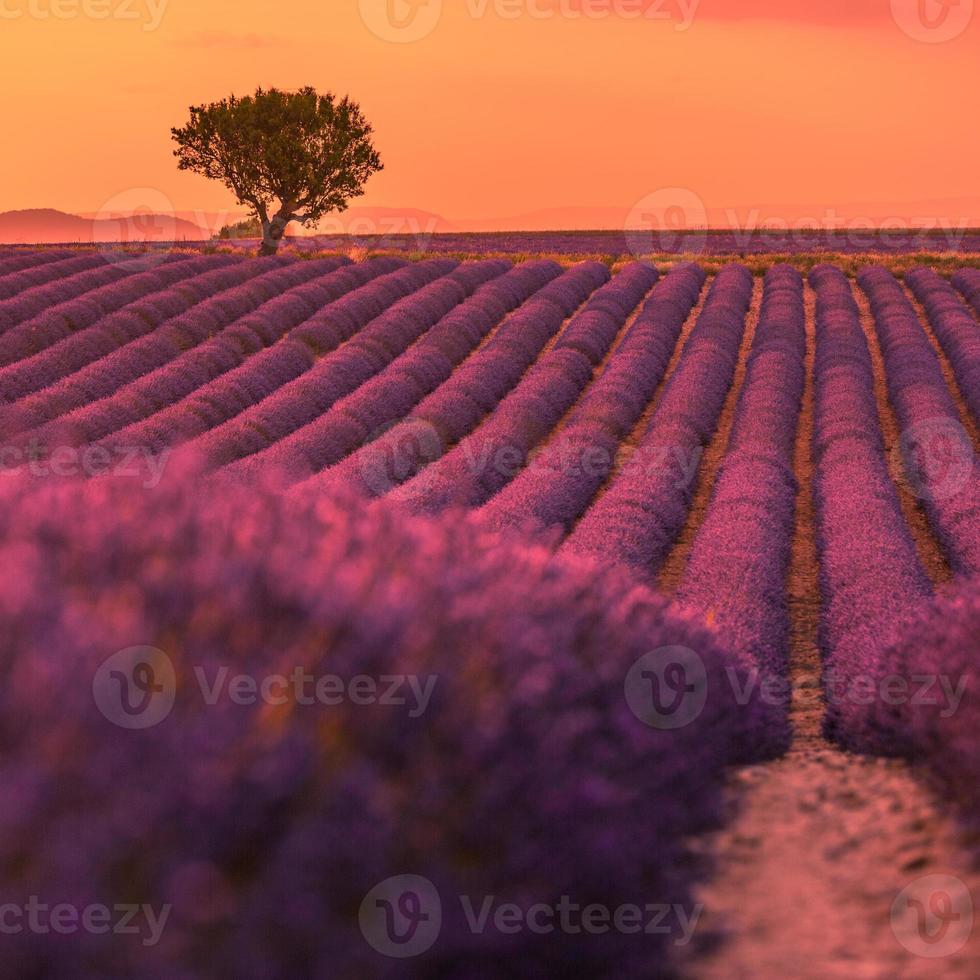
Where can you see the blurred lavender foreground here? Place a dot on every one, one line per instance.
(251, 834)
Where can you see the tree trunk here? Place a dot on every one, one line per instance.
(272, 232)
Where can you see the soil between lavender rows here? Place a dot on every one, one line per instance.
(821, 842)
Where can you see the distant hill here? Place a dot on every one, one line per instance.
(46, 225)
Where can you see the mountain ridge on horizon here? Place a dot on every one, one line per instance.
(43, 226)
(53, 226)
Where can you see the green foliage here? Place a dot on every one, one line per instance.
(287, 156)
(249, 228)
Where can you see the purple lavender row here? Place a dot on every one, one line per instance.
(186, 315)
(265, 828)
(740, 559)
(967, 281)
(955, 327)
(389, 396)
(638, 517)
(482, 463)
(557, 485)
(359, 314)
(936, 725)
(89, 273)
(937, 451)
(196, 347)
(65, 338)
(871, 576)
(302, 400)
(15, 260)
(18, 281)
(122, 327)
(459, 405)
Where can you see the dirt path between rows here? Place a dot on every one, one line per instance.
(821, 842)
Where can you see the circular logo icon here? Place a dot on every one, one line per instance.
(933, 21)
(401, 21)
(136, 687)
(672, 219)
(933, 916)
(667, 688)
(936, 459)
(402, 916)
(400, 452)
(141, 217)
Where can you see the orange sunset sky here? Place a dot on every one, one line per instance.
(505, 107)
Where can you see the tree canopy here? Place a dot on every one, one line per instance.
(287, 156)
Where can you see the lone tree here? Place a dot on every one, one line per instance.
(287, 156)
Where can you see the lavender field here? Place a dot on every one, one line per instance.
(345, 595)
(407, 236)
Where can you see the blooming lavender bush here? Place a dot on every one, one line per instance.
(482, 384)
(368, 356)
(261, 829)
(385, 398)
(20, 276)
(211, 355)
(566, 474)
(150, 335)
(939, 455)
(872, 580)
(955, 327)
(373, 286)
(967, 281)
(16, 260)
(86, 326)
(480, 464)
(638, 517)
(939, 728)
(90, 272)
(740, 558)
